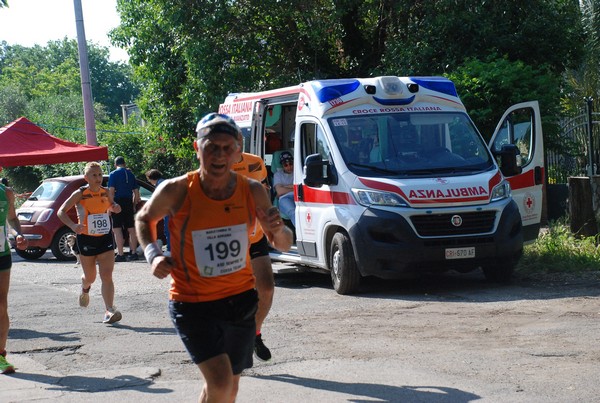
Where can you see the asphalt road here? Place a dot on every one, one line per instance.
(452, 338)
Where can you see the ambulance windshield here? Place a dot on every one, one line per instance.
(405, 144)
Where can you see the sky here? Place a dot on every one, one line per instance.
(31, 22)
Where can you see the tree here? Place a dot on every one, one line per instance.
(584, 80)
(483, 86)
(43, 83)
(54, 69)
(191, 53)
(436, 37)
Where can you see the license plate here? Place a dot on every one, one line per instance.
(460, 253)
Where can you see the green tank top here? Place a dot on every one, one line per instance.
(4, 246)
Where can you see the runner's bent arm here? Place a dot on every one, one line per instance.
(167, 199)
(68, 205)
(13, 220)
(277, 233)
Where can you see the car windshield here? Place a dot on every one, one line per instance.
(408, 144)
(48, 191)
(145, 194)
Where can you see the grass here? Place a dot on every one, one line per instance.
(557, 250)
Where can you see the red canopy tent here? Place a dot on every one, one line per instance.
(24, 143)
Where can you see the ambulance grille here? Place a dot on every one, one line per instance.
(441, 224)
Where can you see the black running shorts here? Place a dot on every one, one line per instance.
(209, 329)
(95, 245)
(5, 262)
(125, 219)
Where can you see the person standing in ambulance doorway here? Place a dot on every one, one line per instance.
(252, 166)
(213, 213)
(8, 215)
(283, 182)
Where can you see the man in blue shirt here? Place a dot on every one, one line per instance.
(125, 191)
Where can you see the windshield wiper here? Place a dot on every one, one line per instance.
(372, 168)
(431, 171)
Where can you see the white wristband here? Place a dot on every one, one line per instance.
(152, 251)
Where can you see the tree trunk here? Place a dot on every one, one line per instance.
(595, 189)
(581, 211)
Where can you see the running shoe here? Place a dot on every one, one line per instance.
(5, 366)
(120, 258)
(84, 297)
(132, 256)
(261, 351)
(112, 316)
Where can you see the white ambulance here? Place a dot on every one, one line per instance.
(392, 178)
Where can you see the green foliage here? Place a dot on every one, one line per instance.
(43, 84)
(53, 71)
(435, 37)
(558, 250)
(13, 102)
(487, 87)
(583, 81)
(191, 53)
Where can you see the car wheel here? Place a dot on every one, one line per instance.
(31, 253)
(344, 272)
(60, 247)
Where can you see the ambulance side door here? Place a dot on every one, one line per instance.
(312, 203)
(521, 125)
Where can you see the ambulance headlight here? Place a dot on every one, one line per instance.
(501, 191)
(368, 198)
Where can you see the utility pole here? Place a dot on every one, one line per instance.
(86, 85)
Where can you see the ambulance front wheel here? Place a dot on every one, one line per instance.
(344, 272)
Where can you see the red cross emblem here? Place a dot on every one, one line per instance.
(529, 202)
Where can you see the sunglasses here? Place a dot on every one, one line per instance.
(286, 163)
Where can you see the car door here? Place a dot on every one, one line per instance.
(521, 125)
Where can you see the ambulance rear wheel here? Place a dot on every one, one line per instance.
(344, 272)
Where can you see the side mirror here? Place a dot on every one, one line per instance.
(318, 172)
(509, 155)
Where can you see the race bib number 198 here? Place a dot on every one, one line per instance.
(98, 224)
(220, 251)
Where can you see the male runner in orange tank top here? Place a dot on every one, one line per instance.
(213, 214)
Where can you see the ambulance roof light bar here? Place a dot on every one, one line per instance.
(391, 86)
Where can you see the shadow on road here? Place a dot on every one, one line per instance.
(382, 393)
(79, 383)
(470, 287)
(157, 331)
(26, 334)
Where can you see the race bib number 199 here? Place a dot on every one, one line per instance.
(98, 224)
(220, 251)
